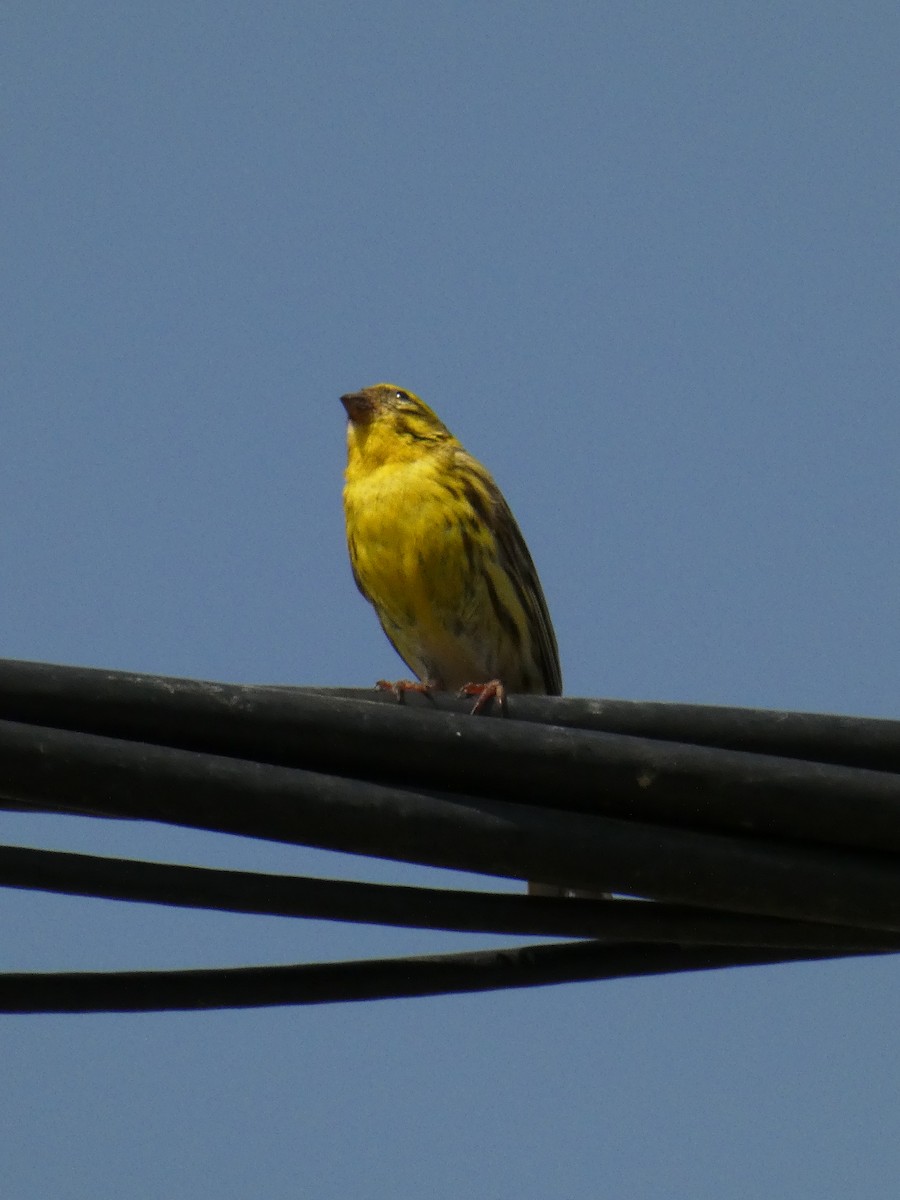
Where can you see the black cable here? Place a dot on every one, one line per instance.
(787, 824)
(324, 983)
(107, 776)
(870, 742)
(620, 776)
(416, 907)
(126, 704)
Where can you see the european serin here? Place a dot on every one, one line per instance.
(437, 552)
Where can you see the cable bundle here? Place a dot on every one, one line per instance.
(757, 836)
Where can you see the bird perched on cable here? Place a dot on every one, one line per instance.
(437, 552)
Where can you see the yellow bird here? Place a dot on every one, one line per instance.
(437, 552)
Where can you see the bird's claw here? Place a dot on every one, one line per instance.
(485, 692)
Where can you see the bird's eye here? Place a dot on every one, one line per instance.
(400, 396)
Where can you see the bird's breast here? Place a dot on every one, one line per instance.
(405, 542)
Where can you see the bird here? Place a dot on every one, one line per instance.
(435, 549)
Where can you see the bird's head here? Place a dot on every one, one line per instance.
(388, 423)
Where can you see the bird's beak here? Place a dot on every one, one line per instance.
(360, 407)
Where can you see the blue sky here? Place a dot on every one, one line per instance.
(643, 260)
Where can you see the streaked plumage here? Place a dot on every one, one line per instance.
(437, 552)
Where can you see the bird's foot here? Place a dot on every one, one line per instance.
(400, 687)
(486, 692)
